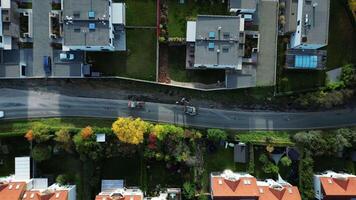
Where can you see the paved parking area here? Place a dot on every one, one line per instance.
(267, 60)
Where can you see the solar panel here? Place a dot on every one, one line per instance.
(306, 61)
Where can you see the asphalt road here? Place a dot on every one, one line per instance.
(21, 104)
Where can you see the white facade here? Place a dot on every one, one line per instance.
(6, 42)
(191, 31)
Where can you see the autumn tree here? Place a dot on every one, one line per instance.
(29, 135)
(86, 132)
(130, 130)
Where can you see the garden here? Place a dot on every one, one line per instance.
(178, 72)
(340, 52)
(139, 61)
(155, 156)
(140, 12)
(179, 13)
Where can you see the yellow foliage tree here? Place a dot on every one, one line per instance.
(86, 132)
(130, 130)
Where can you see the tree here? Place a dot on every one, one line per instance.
(41, 133)
(285, 161)
(216, 135)
(64, 179)
(162, 130)
(29, 135)
(86, 132)
(306, 177)
(268, 167)
(189, 190)
(64, 139)
(41, 153)
(348, 74)
(130, 130)
(87, 148)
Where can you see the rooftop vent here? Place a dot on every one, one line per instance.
(91, 26)
(212, 35)
(91, 14)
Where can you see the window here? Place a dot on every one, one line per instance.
(76, 14)
(225, 49)
(0, 39)
(298, 23)
(77, 30)
(226, 35)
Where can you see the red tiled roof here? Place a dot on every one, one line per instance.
(287, 193)
(239, 188)
(126, 197)
(339, 187)
(57, 195)
(12, 190)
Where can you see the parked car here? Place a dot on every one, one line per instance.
(2, 114)
(66, 56)
(136, 104)
(47, 65)
(190, 110)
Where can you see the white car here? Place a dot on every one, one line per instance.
(2, 114)
(66, 56)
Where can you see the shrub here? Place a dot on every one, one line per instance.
(41, 153)
(64, 179)
(285, 161)
(216, 135)
(189, 190)
(64, 139)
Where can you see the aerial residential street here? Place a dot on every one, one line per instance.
(20, 104)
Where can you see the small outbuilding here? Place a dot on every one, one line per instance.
(241, 153)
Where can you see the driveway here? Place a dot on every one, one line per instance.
(267, 60)
(41, 41)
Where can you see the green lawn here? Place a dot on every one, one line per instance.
(139, 61)
(179, 13)
(342, 36)
(278, 138)
(178, 72)
(140, 12)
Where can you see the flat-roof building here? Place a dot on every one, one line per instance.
(93, 25)
(215, 42)
(9, 25)
(243, 6)
(312, 23)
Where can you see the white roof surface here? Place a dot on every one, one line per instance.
(191, 31)
(22, 168)
(5, 3)
(118, 13)
(100, 137)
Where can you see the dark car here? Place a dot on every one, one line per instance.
(47, 65)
